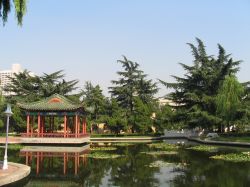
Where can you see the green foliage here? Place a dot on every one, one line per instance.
(234, 157)
(141, 117)
(134, 94)
(154, 153)
(1, 125)
(28, 88)
(103, 155)
(2, 116)
(93, 98)
(164, 146)
(115, 119)
(195, 94)
(228, 100)
(164, 118)
(20, 9)
(206, 148)
(20, 6)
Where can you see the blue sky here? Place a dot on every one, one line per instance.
(86, 37)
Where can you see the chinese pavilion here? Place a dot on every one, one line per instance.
(71, 121)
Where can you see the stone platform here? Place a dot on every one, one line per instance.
(54, 140)
(14, 173)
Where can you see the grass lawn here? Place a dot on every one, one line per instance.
(233, 139)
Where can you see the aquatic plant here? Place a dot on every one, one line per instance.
(161, 153)
(234, 157)
(160, 163)
(207, 148)
(164, 146)
(103, 155)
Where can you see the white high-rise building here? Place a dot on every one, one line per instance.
(5, 74)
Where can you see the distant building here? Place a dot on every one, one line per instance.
(4, 77)
(163, 101)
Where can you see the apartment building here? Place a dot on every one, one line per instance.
(4, 77)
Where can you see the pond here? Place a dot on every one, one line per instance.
(127, 164)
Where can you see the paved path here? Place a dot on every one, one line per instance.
(14, 173)
(212, 142)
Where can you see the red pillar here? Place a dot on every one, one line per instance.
(28, 124)
(76, 168)
(42, 125)
(84, 125)
(32, 125)
(64, 163)
(38, 125)
(27, 158)
(65, 126)
(37, 162)
(76, 128)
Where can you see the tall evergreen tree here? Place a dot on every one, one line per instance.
(26, 87)
(115, 116)
(131, 86)
(94, 99)
(195, 93)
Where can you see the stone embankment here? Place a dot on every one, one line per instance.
(14, 173)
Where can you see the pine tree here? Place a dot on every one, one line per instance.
(29, 88)
(195, 93)
(131, 86)
(93, 98)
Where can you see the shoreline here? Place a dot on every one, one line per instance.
(15, 172)
(143, 139)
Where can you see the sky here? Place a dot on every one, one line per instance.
(85, 38)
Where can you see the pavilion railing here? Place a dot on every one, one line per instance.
(52, 154)
(54, 135)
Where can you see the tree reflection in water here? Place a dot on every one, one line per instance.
(133, 168)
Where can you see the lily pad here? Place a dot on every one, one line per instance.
(103, 155)
(207, 148)
(164, 146)
(233, 157)
(161, 152)
(160, 163)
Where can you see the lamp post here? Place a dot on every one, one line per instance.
(8, 113)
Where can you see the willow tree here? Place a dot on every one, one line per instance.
(229, 99)
(20, 10)
(195, 93)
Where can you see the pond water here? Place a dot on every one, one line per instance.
(128, 165)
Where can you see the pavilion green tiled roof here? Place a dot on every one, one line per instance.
(55, 102)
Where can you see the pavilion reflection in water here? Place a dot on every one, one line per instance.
(55, 161)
